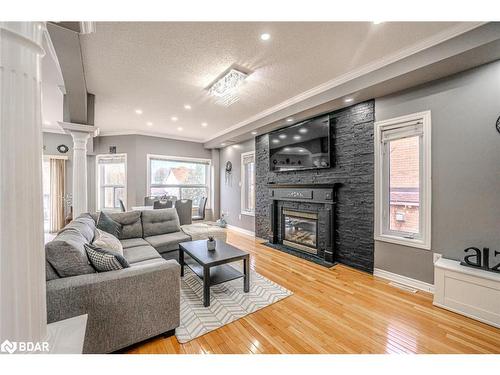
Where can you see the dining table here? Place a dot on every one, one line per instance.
(141, 208)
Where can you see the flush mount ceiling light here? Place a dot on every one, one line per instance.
(138, 111)
(174, 118)
(187, 106)
(225, 88)
(204, 124)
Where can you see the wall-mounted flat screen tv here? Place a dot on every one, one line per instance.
(305, 145)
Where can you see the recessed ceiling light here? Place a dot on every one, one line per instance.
(253, 133)
(303, 130)
(377, 22)
(187, 106)
(138, 111)
(174, 118)
(287, 149)
(265, 36)
(236, 146)
(204, 124)
(222, 144)
(282, 136)
(290, 119)
(297, 137)
(149, 123)
(301, 150)
(348, 100)
(276, 141)
(179, 128)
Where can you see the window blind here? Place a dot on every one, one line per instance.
(403, 130)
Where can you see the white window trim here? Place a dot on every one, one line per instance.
(181, 158)
(425, 241)
(97, 186)
(243, 184)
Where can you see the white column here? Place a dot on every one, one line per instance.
(80, 134)
(23, 314)
(79, 172)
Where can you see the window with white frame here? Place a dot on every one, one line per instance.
(403, 180)
(183, 178)
(248, 183)
(111, 172)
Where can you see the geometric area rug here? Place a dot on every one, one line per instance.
(228, 303)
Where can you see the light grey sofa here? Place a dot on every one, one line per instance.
(125, 306)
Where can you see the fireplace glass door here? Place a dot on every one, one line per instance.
(300, 230)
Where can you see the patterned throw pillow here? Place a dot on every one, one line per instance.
(107, 241)
(104, 260)
(107, 224)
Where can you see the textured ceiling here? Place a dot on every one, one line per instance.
(160, 67)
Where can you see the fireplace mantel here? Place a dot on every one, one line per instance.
(312, 193)
(304, 186)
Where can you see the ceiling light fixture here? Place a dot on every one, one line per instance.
(149, 123)
(348, 100)
(222, 144)
(174, 118)
(226, 86)
(290, 119)
(187, 106)
(265, 36)
(253, 133)
(377, 22)
(138, 111)
(179, 128)
(204, 124)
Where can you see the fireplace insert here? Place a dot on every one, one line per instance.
(300, 230)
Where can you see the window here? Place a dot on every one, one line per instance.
(111, 181)
(184, 178)
(248, 183)
(403, 180)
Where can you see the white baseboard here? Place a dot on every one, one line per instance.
(241, 230)
(404, 280)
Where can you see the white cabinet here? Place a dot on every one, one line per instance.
(468, 291)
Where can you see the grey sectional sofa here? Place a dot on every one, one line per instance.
(125, 306)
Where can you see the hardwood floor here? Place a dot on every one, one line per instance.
(337, 310)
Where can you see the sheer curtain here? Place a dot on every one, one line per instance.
(57, 182)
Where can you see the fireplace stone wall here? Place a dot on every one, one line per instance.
(352, 147)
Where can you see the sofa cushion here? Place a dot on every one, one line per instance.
(131, 224)
(201, 231)
(168, 242)
(107, 241)
(162, 221)
(107, 224)
(133, 242)
(85, 224)
(140, 253)
(147, 261)
(104, 260)
(66, 253)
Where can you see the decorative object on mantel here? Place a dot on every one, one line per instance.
(222, 221)
(211, 243)
(62, 149)
(228, 170)
(112, 149)
(498, 124)
(481, 259)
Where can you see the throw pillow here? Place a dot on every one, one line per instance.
(107, 241)
(104, 260)
(105, 223)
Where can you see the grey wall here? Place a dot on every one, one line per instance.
(137, 147)
(465, 167)
(230, 190)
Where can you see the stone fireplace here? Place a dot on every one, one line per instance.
(303, 218)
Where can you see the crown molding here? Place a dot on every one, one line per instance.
(71, 127)
(149, 134)
(364, 70)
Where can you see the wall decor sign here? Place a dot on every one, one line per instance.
(112, 149)
(481, 259)
(62, 149)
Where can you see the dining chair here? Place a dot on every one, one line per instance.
(161, 204)
(148, 201)
(201, 209)
(184, 209)
(122, 206)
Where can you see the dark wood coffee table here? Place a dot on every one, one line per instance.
(211, 266)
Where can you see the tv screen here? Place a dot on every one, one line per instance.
(305, 145)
